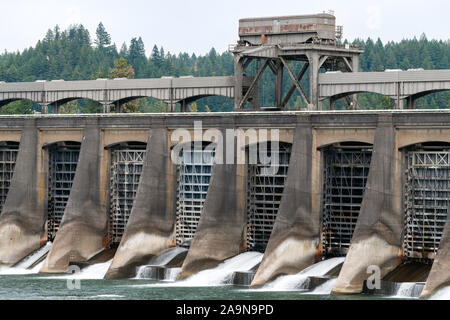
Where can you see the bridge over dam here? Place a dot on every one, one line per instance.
(398, 85)
(109, 92)
(371, 186)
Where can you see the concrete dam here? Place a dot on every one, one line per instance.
(266, 195)
(371, 186)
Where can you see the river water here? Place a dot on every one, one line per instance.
(19, 284)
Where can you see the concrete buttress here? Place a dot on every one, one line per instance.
(84, 226)
(439, 276)
(22, 220)
(151, 226)
(295, 239)
(377, 238)
(221, 231)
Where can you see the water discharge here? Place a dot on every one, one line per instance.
(167, 256)
(93, 272)
(407, 290)
(31, 259)
(21, 271)
(443, 294)
(300, 281)
(221, 275)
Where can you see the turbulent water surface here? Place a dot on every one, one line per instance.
(20, 284)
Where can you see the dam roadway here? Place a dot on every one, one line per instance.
(296, 237)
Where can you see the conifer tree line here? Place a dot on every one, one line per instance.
(72, 54)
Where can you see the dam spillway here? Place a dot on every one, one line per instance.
(343, 164)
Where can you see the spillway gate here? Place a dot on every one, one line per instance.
(8, 157)
(193, 178)
(264, 193)
(127, 162)
(63, 160)
(426, 201)
(345, 171)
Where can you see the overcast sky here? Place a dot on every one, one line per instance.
(195, 26)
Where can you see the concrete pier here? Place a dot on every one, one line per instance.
(83, 229)
(150, 229)
(295, 239)
(22, 219)
(377, 240)
(221, 231)
(439, 276)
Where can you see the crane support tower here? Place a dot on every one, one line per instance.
(275, 42)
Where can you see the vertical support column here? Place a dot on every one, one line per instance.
(239, 78)
(83, 229)
(398, 99)
(221, 229)
(411, 102)
(439, 276)
(333, 103)
(355, 68)
(22, 219)
(313, 58)
(295, 240)
(151, 226)
(278, 84)
(44, 108)
(106, 107)
(377, 240)
(184, 106)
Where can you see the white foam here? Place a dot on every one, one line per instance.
(21, 271)
(93, 272)
(221, 275)
(405, 290)
(443, 294)
(300, 280)
(324, 289)
(166, 256)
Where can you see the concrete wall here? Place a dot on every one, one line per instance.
(221, 233)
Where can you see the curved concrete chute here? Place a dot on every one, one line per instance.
(83, 228)
(22, 219)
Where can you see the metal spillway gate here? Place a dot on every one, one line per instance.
(427, 194)
(8, 157)
(63, 160)
(127, 162)
(345, 170)
(264, 193)
(194, 175)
